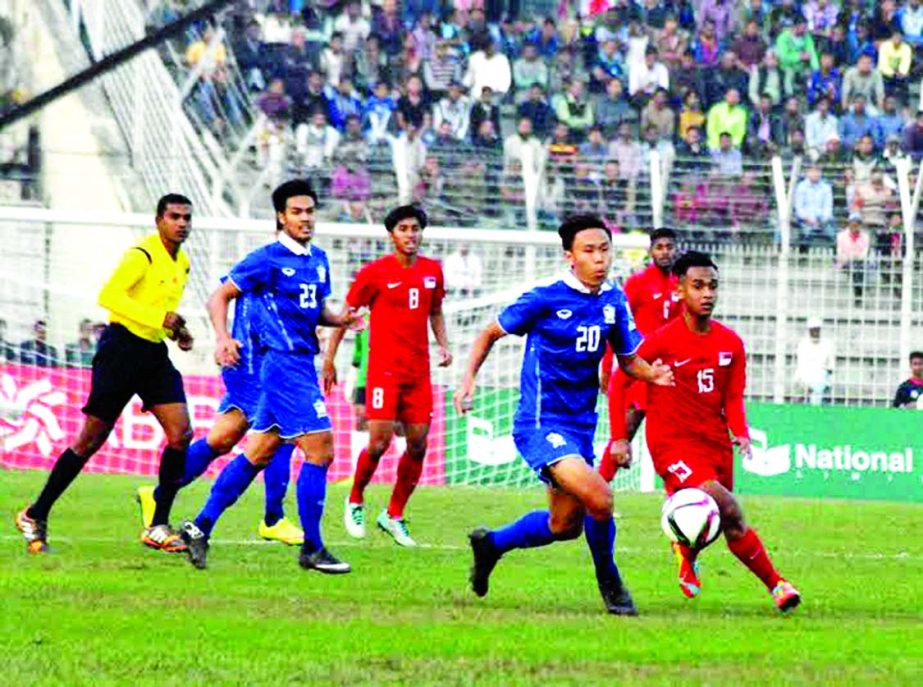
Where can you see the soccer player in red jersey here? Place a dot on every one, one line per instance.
(653, 300)
(404, 293)
(690, 425)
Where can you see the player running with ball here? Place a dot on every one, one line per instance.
(568, 324)
(689, 425)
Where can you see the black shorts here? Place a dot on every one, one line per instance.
(125, 365)
(359, 396)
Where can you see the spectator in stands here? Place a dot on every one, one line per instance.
(685, 78)
(834, 156)
(797, 54)
(856, 123)
(489, 68)
(252, 57)
(454, 108)
(707, 45)
(783, 14)
(387, 25)
(573, 109)
(80, 353)
(911, 20)
(894, 60)
(749, 206)
(37, 351)
(354, 28)
(875, 200)
(719, 13)
(378, 113)
(821, 17)
(792, 121)
(671, 42)
(413, 106)
(595, 149)
(583, 190)
(819, 127)
(628, 153)
(825, 81)
(852, 254)
(537, 109)
(865, 81)
(892, 153)
(421, 42)
(7, 349)
(344, 103)
(764, 131)
(728, 75)
(528, 70)
(306, 102)
(767, 79)
(691, 115)
(913, 137)
(525, 148)
(333, 60)
(727, 160)
(658, 114)
(463, 273)
(546, 39)
(813, 206)
(890, 122)
(316, 142)
(609, 65)
(728, 116)
(814, 362)
(750, 47)
(513, 194)
(560, 150)
(482, 110)
(217, 103)
(613, 108)
(910, 392)
(646, 77)
(864, 159)
(409, 146)
(371, 65)
(440, 71)
(486, 139)
(430, 189)
(274, 103)
(692, 157)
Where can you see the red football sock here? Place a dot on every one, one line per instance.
(408, 474)
(607, 467)
(751, 552)
(365, 468)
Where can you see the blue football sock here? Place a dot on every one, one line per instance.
(275, 478)
(312, 489)
(231, 483)
(532, 529)
(600, 537)
(199, 456)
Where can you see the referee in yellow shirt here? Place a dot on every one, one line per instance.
(141, 296)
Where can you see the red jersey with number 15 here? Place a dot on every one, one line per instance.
(708, 399)
(652, 297)
(400, 300)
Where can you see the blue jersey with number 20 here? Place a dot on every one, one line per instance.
(567, 328)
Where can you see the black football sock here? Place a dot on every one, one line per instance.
(65, 469)
(172, 467)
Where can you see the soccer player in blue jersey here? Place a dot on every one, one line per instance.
(568, 324)
(235, 415)
(292, 279)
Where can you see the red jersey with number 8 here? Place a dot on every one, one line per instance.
(400, 300)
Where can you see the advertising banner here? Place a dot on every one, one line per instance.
(40, 415)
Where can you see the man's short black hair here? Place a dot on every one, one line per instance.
(692, 258)
(577, 223)
(403, 212)
(915, 355)
(291, 189)
(662, 233)
(171, 199)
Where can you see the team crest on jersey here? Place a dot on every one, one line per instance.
(322, 273)
(288, 271)
(320, 408)
(564, 314)
(429, 282)
(556, 440)
(609, 314)
(724, 358)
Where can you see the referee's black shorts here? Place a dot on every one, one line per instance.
(125, 365)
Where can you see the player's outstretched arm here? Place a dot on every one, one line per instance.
(437, 323)
(227, 350)
(480, 349)
(654, 373)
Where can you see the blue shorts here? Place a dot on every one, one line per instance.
(242, 388)
(542, 447)
(290, 397)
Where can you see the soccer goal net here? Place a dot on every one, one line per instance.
(54, 264)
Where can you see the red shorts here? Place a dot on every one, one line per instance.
(681, 467)
(392, 398)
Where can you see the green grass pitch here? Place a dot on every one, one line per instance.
(103, 610)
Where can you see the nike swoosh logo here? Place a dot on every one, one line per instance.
(394, 285)
(680, 363)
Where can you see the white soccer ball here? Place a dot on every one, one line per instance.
(691, 517)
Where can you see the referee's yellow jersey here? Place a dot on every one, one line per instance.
(146, 285)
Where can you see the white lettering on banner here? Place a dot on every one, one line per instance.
(27, 415)
(768, 461)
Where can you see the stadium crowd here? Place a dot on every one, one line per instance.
(469, 93)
